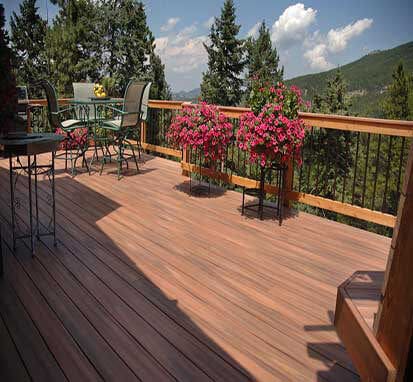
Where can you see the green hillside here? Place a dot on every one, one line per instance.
(366, 78)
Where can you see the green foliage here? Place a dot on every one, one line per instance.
(262, 60)
(160, 88)
(73, 44)
(28, 32)
(263, 94)
(221, 83)
(396, 103)
(367, 79)
(331, 147)
(8, 94)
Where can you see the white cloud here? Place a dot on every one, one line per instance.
(319, 47)
(182, 52)
(253, 32)
(208, 23)
(316, 57)
(185, 33)
(337, 39)
(292, 26)
(170, 24)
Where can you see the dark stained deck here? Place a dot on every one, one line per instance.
(148, 283)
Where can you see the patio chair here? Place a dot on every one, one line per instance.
(23, 101)
(144, 116)
(75, 147)
(124, 124)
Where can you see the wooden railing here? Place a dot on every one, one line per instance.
(361, 181)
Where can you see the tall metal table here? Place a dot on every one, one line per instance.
(29, 146)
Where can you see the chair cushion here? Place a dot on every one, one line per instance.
(113, 124)
(71, 123)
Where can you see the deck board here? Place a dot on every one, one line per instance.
(161, 285)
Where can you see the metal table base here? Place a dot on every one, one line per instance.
(32, 170)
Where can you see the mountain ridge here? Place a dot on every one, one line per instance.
(367, 79)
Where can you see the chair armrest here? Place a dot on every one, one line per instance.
(121, 111)
(70, 108)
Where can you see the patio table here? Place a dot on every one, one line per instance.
(98, 105)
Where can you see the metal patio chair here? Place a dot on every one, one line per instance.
(75, 148)
(124, 124)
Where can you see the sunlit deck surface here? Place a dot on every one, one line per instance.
(148, 283)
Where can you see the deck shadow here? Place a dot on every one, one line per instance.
(138, 323)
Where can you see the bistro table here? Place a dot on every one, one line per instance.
(92, 109)
(29, 146)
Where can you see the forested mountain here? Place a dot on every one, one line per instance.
(366, 79)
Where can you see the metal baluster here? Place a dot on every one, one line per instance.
(400, 167)
(355, 168)
(376, 173)
(384, 204)
(365, 170)
(310, 159)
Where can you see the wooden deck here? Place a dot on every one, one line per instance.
(148, 283)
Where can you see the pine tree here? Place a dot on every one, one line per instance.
(221, 83)
(128, 42)
(332, 147)
(160, 88)
(8, 93)
(396, 104)
(262, 59)
(28, 32)
(74, 44)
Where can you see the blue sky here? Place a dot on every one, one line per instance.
(311, 36)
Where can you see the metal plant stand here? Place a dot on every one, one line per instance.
(260, 193)
(199, 189)
(30, 146)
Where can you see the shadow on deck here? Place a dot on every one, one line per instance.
(148, 283)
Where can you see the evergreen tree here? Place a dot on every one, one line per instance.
(8, 93)
(128, 41)
(396, 104)
(74, 44)
(331, 152)
(160, 88)
(28, 31)
(221, 84)
(262, 59)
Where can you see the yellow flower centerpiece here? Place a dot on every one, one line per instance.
(99, 91)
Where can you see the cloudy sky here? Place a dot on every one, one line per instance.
(311, 36)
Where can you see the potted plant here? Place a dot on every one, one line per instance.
(274, 133)
(203, 129)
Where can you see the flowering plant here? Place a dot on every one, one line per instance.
(275, 133)
(77, 138)
(202, 127)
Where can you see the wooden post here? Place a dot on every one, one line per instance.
(186, 159)
(143, 131)
(394, 323)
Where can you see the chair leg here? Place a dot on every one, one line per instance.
(120, 157)
(134, 157)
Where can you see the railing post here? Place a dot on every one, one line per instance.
(288, 182)
(143, 132)
(185, 159)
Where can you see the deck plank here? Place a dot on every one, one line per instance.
(196, 291)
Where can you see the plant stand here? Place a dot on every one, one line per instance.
(199, 189)
(260, 193)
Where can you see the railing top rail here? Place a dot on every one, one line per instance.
(339, 122)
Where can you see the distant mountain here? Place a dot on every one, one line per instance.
(367, 78)
(191, 95)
